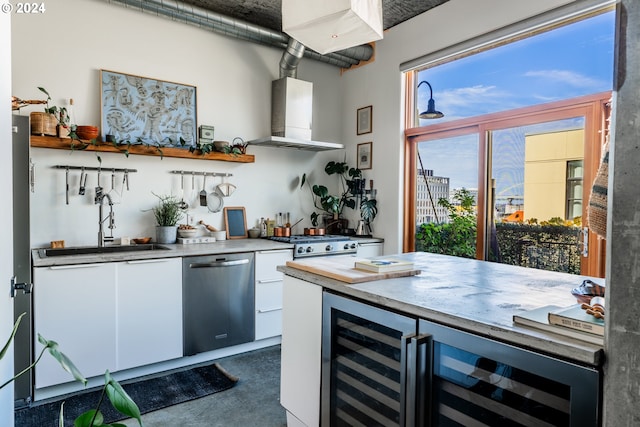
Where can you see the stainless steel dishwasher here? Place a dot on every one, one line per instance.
(217, 301)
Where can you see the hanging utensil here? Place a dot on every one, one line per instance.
(182, 204)
(67, 185)
(214, 202)
(83, 182)
(225, 188)
(203, 193)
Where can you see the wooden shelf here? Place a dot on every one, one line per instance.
(65, 144)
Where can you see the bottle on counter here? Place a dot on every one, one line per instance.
(263, 227)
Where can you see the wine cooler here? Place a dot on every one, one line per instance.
(380, 368)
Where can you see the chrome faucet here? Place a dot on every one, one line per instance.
(99, 200)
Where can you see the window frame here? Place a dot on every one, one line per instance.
(592, 107)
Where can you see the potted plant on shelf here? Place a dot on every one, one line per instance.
(350, 191)
(167, 213)
(47, 123)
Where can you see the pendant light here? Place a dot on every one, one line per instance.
(431, 112)
(330, 25)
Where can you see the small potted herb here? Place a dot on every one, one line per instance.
(167, 214)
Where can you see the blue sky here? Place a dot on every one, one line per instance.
(567, 62)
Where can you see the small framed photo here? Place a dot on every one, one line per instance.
(364, 120)
(364, 155)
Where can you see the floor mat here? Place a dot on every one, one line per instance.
(149, 394)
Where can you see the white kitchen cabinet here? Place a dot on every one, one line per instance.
(370, 249)
(149, 311)
(268, 282)
(75, 306)
(301, 352)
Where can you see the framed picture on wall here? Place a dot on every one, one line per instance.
(364, 155)
(364, 120)
(142, 110)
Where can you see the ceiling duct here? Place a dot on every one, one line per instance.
(221, 24)
(291, 58)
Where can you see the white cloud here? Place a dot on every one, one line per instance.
(566, 77)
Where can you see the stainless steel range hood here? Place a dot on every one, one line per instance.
(291, 117)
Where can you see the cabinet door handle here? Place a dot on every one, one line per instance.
(269, 310)
(279, 251)
(218, 263)
(419, 380)
(147, 261)
(72, 266)
(404, 378)
(270, 280)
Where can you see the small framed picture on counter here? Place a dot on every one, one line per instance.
(364, 155)
(364, 120)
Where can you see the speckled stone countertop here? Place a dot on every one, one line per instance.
(476, 296)
(171, 251)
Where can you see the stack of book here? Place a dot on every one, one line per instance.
(570, 321)
(384, 265)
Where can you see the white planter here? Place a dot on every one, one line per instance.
(166, 234)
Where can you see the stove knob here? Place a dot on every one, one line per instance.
(328, 248)
(354, 245)
(309, 249)
(300, 250)
(346, 246)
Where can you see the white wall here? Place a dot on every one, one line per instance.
(380, 84)
(63, 50)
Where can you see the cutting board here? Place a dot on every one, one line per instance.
(341, 268)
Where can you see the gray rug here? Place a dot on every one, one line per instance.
(149, 394)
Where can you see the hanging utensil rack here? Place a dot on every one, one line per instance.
(93, 168)
(185, 172)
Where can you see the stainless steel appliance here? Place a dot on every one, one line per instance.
(383, 368)
(328, 244)
(217, 301)
(23, 344)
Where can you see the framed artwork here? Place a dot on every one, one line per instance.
(235, 221)
(364, 120)
(141, 110)
(364, 155)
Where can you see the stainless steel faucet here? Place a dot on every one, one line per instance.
(99, 200)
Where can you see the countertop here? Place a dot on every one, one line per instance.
(476, 296)
(172, 251)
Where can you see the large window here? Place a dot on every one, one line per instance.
(522, 132)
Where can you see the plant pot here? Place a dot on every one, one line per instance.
(63, 131)
(43, 124)
(166, 234)
(335, 225)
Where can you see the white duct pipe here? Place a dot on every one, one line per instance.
(202, 18)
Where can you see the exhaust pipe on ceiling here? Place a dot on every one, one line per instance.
(291, 58)
(221, 24)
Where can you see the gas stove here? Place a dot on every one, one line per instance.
(329, 244)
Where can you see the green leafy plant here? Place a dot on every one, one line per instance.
(167, 212)
(333, 204)
(456, 237)
(119, 398)
(59, 112)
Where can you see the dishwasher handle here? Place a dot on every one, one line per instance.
(218, 263)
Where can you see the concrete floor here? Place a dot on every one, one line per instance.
(253, 401)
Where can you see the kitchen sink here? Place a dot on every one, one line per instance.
(96, 250)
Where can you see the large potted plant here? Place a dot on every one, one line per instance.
(350, 191)
(167, 214)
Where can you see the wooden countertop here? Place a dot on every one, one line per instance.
(476, 296)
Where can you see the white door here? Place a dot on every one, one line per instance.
(6, 218)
